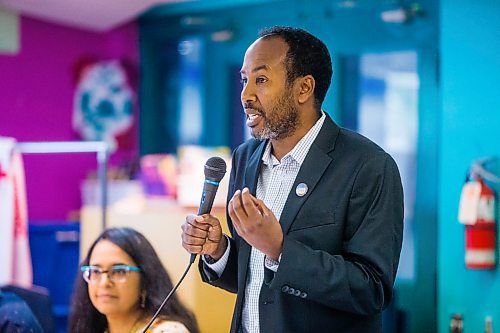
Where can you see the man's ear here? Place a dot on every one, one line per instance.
(306, 88)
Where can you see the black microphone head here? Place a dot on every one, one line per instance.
(215, 168)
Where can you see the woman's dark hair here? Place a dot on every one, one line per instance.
(307, 55)
(84, 317)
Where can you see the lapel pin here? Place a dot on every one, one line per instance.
(301, 189)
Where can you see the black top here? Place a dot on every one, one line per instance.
(16, 316)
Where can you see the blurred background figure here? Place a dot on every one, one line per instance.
(16, 316)
(122, 285)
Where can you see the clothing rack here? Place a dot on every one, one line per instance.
(100, 147)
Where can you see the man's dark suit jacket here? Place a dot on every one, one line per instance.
(342, 240)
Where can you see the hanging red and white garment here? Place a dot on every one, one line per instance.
(15, 256)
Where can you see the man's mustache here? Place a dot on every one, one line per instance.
(250, 106)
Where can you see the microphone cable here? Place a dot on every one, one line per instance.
(169, 295)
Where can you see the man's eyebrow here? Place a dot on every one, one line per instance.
(256, 69)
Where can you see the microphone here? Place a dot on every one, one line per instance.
(215, 168)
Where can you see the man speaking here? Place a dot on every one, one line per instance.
(315, 211)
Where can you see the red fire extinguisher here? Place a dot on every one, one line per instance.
(477, 213)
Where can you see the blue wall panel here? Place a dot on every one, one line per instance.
(470, 44)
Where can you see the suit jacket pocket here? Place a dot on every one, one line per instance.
(323, 237)
(312, 219)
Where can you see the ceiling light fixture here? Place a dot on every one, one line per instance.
(402, 13)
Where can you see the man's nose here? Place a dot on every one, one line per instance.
(248, 94)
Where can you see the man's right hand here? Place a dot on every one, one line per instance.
(203, 235)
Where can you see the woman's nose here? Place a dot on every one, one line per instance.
(104, 279)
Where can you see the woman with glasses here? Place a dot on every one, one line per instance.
(122, 284)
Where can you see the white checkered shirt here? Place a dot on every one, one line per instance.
(273, 186)
(275, 182)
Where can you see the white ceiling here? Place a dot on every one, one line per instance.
(96, 15)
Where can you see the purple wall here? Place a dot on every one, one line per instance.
(36, 103)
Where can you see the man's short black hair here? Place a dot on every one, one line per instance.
(306, 55)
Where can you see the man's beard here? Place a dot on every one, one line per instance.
(280, 121)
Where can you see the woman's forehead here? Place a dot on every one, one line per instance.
(107, 253)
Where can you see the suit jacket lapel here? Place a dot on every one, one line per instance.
(311, 171)
(251, 177)
(253, 168)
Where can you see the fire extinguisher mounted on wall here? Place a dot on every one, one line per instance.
(477, 213)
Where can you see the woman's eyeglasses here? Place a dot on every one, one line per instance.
(117, 273)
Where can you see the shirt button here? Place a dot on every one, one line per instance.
(291, 291)
(303, 295)
(285, 289)
(297, 293)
